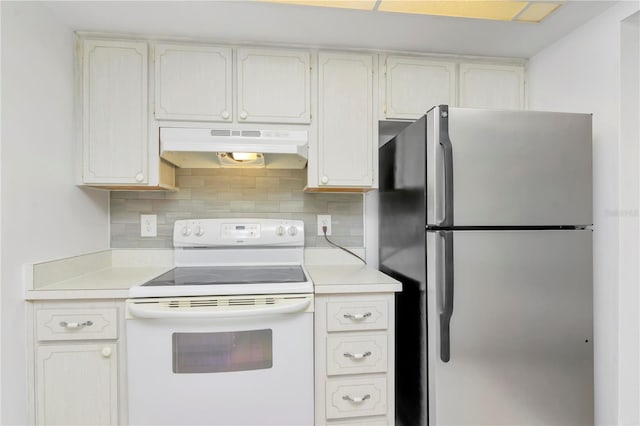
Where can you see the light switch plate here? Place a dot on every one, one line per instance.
(148, 225)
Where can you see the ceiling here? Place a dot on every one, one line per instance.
(269, 23)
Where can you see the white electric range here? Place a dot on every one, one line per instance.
(226, 337)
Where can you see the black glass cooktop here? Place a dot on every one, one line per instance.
(218, 275)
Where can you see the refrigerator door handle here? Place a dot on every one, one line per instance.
(447, 149)
(446, 281)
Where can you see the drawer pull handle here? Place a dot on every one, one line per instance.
(356, 399)
(357, 356)
(76, 324)
(358, 317)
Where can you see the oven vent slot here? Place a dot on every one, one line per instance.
(215, 302)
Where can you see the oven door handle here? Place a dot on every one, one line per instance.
(156, 310)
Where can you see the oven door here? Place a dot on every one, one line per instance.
(243, 360)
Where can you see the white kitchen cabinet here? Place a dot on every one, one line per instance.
(115, 112)
(346, 151)
(491, 86)
(193, 82)
(78, 363)
(413, 85)
(77, 384)
(274, 85)
(117, 150)
(354, 365)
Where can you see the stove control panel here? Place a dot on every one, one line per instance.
(238, 232)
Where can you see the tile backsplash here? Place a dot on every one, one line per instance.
(219, 193)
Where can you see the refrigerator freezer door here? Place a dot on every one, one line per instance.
(520, 332)
(507, 168)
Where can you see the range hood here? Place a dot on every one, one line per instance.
(220, 147)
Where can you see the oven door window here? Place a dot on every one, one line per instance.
(197, 353)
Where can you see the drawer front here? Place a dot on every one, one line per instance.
(364, 315)
(356, 353)
(356, 397)
(77, 324)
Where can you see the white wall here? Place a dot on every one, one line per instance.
(0, 229)
(629, 291)
(44, 215)
(581, 73)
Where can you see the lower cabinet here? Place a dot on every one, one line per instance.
(354, 365)
(77, 368)
(77, 384)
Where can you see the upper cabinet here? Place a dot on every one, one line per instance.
(195, 83)
(413, 85)
(127, 94)
(114, 130)
(491, 86)
(347, 131)
(118, 152)
(274, 86)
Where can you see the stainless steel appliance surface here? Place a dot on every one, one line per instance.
(484, 217)
(226, 337)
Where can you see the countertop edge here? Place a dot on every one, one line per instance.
(357, 288)
(84, 294)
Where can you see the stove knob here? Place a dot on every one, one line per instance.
(186, 231)
(280, 231)
(199, 232)
(293, 230)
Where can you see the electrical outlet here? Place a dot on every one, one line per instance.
(324, 220)
(148, 225)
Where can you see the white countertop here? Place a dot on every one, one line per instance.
(351, 279)
(112, 283)
(102, 275)
(109, 275)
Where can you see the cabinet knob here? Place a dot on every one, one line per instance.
(139, 177)
(243, 115)
(106, 352)
(324, 179)
(225, 114)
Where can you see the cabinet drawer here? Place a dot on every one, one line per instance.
(356, 397)
(357, 315)
(76, 324)
(356, 353)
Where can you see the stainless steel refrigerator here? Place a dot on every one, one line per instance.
(484, 217)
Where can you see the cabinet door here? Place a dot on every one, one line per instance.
(491, 86)
(193, 83)
(77, 384)
(274, 86)
(345, 117)
(414, 85)
(115, 112)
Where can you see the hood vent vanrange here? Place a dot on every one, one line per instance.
(207, 148)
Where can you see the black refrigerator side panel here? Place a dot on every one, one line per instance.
(402, 224)
(402, 202)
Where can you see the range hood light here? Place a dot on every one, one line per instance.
(244, 156)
